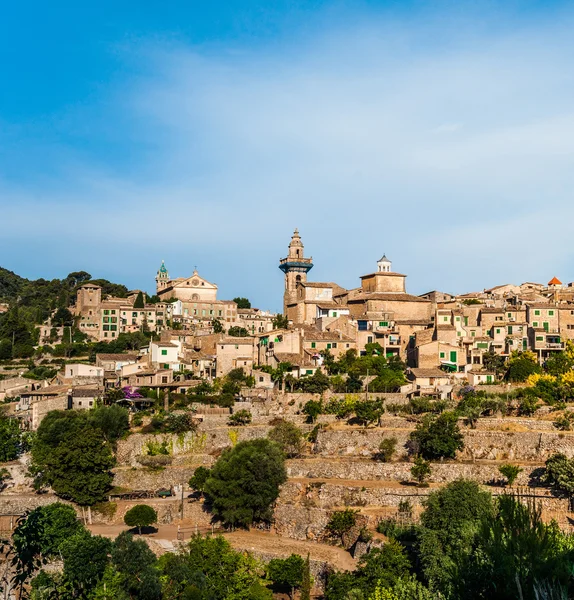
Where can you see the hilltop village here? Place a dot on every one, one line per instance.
(322, 443)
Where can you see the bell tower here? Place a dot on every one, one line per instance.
(162, 278)
(295, 267)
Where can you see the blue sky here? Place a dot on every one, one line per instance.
(203, 133)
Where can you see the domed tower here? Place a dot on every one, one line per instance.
(295, 267)
(162, 278)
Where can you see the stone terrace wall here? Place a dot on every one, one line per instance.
(370, 470)
(479, 444)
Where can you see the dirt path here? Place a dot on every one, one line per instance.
(256, 541)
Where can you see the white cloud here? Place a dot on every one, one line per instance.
(455, 160)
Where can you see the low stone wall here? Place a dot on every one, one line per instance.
(303, 510)
(155, 479)
(209, 441)
(371, 470)
(479, 444)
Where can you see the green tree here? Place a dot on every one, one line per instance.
(387, 449)
(369, 411)
(85, 558)
(140, 515)
(209, 569)
(137, 565)
(139, 301)
(315, 384)
(438, 437)
(73, 457)
(521, 365)
(313, 409)
(493, 362)
(383, 565)
(451, 519)
(197, 481)
(53, 525)
(244, 482)
(241, 417)
(217, 326)
(559, 363)
(10, 438)
(280, 322)
(341, 522)
(288, 437)
(307, 581)
(242, 302)
(516, 555)
(237, 331)
(559, 473)
(63, 317)
(113, 421)
(286, 573)
(421, 470)
(511, 472)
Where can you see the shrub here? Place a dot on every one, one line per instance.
(341, 522)
(286, 573)
(141, 515)
(387, 449)
(198, 479)
(289, 438)
(313, 409)
(438, 437)
(179, 423)
(421, 470)
(241, 417)
(511, 472)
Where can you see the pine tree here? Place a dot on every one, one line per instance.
(306, 583)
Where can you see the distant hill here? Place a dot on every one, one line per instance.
(10, 284)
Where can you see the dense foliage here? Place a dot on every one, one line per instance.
(244, 482)
(73, 454)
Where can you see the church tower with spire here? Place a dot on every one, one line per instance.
(162, 278)
(295, 267)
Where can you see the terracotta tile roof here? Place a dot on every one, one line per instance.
(86, 392)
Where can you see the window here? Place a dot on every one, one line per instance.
(165, 366)
(458, 333)
(457, 318)
(335, 314)
(498, 331)
(370, 339)
(328, 346)
(550, 313)
(445, 319)
(535, 324)
(164, 352)
(536, 313)
(472, 333)
(309, 372)
(134, 314)
(363, 325)
(347, 346)
(383, 324)
(510, 330)
(106, 312)
(261, 379)
(453, 356)
(164, 379)
(441, 355)
(334, 344)
(313, 345)
(539, 338)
